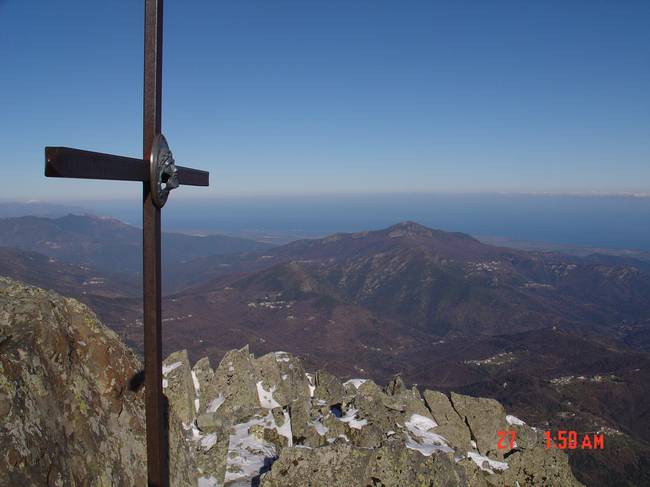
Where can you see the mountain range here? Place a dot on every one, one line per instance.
(557, 338)
(109, 245)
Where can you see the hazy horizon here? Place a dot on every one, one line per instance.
(583, 220)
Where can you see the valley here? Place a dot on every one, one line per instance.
(560, 339)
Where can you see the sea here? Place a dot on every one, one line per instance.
(612, 221)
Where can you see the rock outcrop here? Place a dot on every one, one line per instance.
(71, 413)
(68, 413)
(265, 421)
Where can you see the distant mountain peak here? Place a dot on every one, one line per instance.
(409, 228)
(413, 229)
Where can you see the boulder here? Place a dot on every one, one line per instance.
(485, 418)
(450, 424)
(178, 385)
(395, 386)
(284, 374)
(329, 389)
(203, 372)
(232, 392)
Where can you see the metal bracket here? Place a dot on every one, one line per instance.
(163, 175)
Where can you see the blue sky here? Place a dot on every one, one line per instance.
(279, 97)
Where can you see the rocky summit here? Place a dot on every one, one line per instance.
(71, 413)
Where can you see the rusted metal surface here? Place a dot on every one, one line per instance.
(157, 450)
(65, 162)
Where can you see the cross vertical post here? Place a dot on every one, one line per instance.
(159, 175)
(157, 450)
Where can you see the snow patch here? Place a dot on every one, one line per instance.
(196, 433)
(266, 397)
(320, 428)
(195, 381)
(166, 369)
(208, 441)
(197, 391)
(282, 357)
(248, 455)
(285, 429)
(355, 382)
(514, 420)
(480, 461)
(208, 482)
(425, 441)
(418, 423)
(351, 418)
(214, 405)
(312, 387)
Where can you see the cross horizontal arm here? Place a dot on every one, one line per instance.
(64, 162)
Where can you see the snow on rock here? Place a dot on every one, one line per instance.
(197, 390)
(214, 405)
(514, 420)
(208, 482)
(320, 428)
(352, 420)
(282, 357)
(285, 429)
(266, 397)
(423, 440)
(355, 382)
(248, 455)
(248, 450)
(485, 463)
(166, 369)
(312, 387)
(418, 423)
(208, 441)
(196, 433)
(195, 381)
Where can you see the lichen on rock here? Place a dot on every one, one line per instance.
(285, 427)
(72, 414)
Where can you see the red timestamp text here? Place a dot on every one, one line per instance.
(571, 440)
(507, 440)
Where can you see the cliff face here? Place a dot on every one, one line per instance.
(71, 414)
(68, 415)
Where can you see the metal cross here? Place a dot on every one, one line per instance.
(159, 175)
